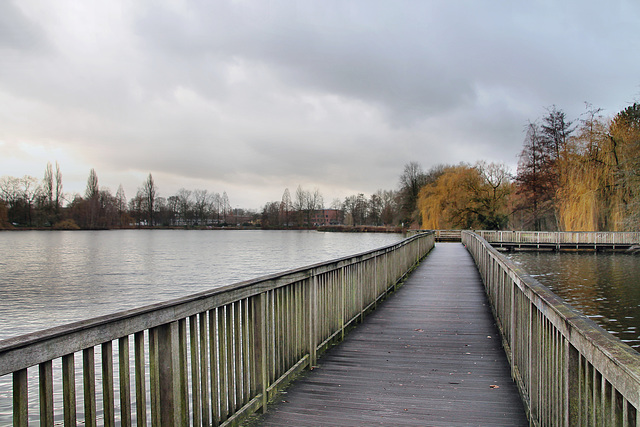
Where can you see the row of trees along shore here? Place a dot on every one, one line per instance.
(28, 202)
(581, 174)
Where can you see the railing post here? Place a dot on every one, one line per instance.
(260, 347)
(69, 389)
(46, 393)
(20, 398)
(107, 383)
(89, 386)
(169, 375)
(572, 384)
(125, 381)
(141, 394)
(343, 296)
(312, 300)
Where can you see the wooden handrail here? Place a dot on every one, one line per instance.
(569, 370)
(209, 358)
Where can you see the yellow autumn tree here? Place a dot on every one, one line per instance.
(466, 197)
(585, 178)
(442, 202)
(599, 178)
(625, 140)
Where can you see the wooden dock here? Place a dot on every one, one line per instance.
(429, 355)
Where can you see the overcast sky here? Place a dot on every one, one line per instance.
(252, 97)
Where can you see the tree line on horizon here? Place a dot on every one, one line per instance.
(573, 175)
(28, 202)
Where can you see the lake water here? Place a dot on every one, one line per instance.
(56, 277)
(604, 286)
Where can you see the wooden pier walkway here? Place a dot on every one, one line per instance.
(429, 355)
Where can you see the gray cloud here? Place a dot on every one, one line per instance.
(257, 96)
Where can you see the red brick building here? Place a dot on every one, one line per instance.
(326, 217)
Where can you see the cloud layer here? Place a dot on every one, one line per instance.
(253, 97)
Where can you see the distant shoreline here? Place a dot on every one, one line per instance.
(328, 229)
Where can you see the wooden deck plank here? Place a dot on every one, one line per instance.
(430, 355)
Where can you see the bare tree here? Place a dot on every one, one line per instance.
(149, 195)
(202, 206)
(92, 185)
(47, 185)
(536, 179)
(184, 205)
(226, 206)
(58, 192)
(286, 206)
(412, 180)
(121, 204)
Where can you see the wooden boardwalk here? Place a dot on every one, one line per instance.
(430, 355)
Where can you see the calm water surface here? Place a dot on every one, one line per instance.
(604, 286)
(57, 277)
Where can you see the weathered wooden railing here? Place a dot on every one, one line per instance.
(447, 235)
(206, 359)
(568, 369)
(558, 237)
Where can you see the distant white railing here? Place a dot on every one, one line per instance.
(568, 369)
(207, 359)
(561, 237)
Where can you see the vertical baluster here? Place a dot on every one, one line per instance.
(107, 384)
(611, 403)
(571, 384)
(69, 389)
(259, 332)
(89, 386)
(194, 339)
(239, 373)
(311, 300)
(361, 291)
(125, 381)
(603, 400)
(215, 363)
(229, 332)
(581, 392)
(619, 403)
(20, 398)
(551, 398)
(302, 343)
(270, 336)
(280, 335)
(140, 375)
(172, 409)
(594, 396)
(339, 277)
(204, 369)
(288, 325)
(321, 310)
(246, 342)
(183, 374)
(222, 365)
(154, 382)
(46, 393)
